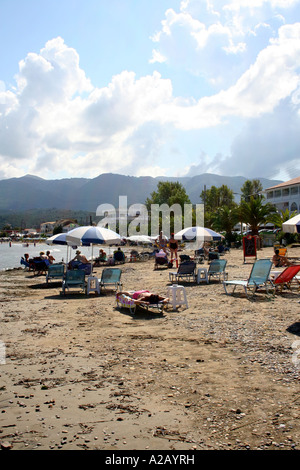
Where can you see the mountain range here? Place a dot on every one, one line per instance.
(32, 192)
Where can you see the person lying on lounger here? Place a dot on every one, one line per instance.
(145, 296)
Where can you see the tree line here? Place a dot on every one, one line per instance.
(221, 211)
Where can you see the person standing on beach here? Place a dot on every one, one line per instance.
(173, 245)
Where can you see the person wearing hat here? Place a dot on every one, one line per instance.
(80, 257)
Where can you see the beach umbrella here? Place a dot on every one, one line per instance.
(90, 235)
(60, 239)
(199, 234)
(139, 239)
(292, 225)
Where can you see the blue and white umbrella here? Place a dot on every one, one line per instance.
(198, 234)
(292, 225)
(60, 239)
(89, 235)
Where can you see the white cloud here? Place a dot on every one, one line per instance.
(273, 77)
(256, 4)
(51, 76)
(153, 171)
(60, 123)
(56, 122)
(219, 39)
(157, 57)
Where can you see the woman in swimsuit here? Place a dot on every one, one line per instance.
(173, 245)
(279, 260)
(161, 242)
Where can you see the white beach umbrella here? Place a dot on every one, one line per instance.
(139, 239)
(198, 233)
(292, 225)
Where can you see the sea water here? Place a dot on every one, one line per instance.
(11, 253)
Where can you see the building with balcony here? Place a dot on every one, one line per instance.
(285, 195)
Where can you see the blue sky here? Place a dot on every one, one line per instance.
(159, 88)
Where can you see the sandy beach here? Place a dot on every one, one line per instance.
(81, 373)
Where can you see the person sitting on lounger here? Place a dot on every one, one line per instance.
(80, 257)
(101, 258)
(119, 255)
(280, 260)
(162, 242)
(50, 257)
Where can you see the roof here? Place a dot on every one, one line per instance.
(286, 183)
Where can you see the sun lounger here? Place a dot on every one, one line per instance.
(39, 265)
(286, 277)
(161, 259)
(142, 299)
(74, 279)
(76, 265)
(111, 277)
(259, 277)
(55, 271)
(119, 257)
(186, 271)
(217, 269)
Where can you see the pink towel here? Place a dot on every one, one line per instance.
(137, 293)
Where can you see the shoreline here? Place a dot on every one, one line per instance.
(81, 373)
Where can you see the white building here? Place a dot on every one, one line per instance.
(285, 195)
(47, 227)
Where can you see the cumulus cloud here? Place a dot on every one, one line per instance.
(56, 122)
(273, 77)
(218, 39)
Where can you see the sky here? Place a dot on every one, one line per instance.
(150, 88)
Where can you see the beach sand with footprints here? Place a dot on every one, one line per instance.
(81, 373)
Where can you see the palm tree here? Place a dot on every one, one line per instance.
(224, 219)
(255, 212)
(280, 217)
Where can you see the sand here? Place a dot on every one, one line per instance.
(81, 373)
